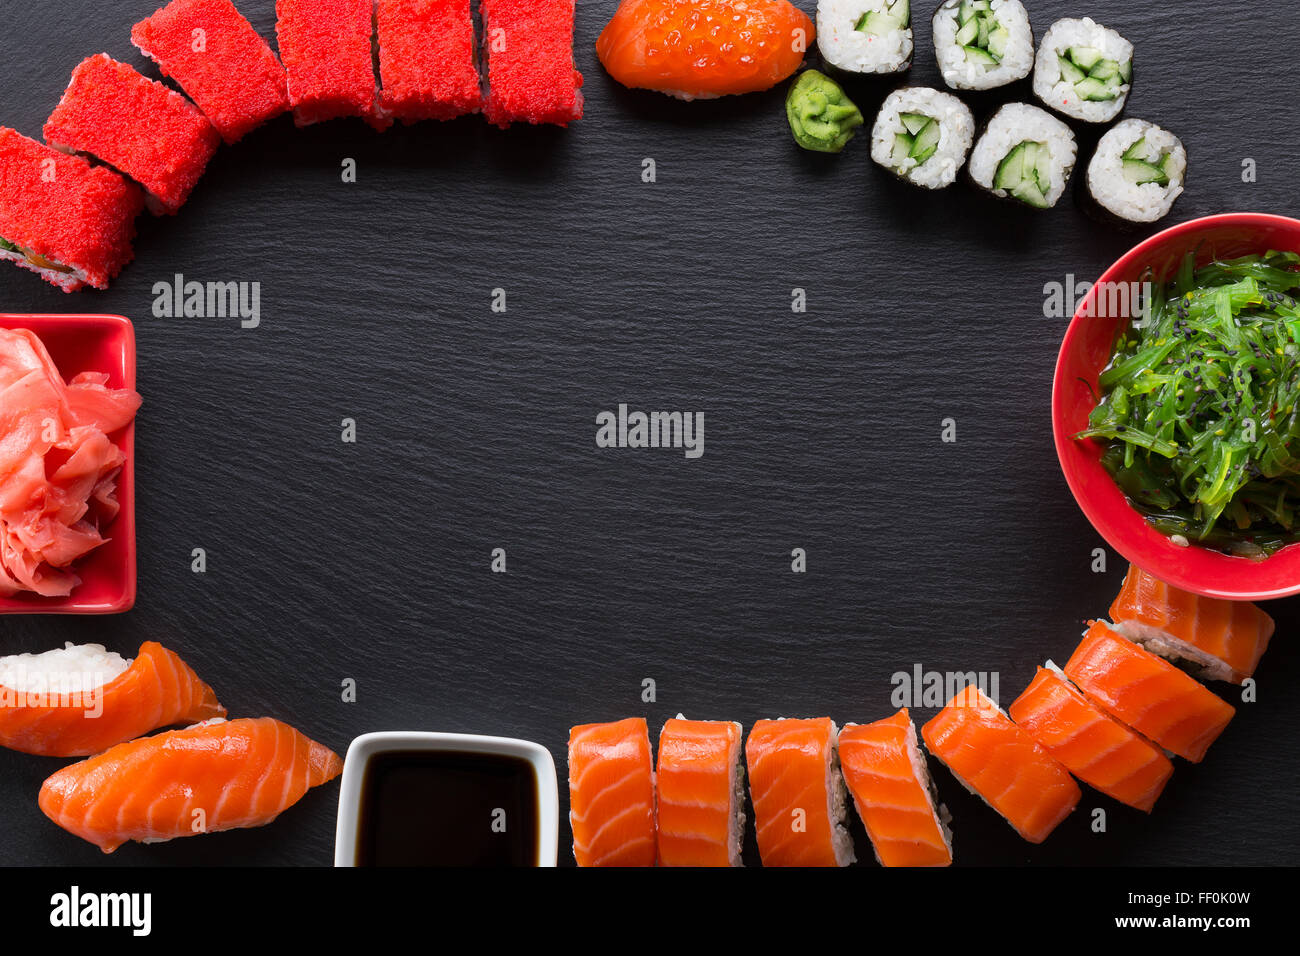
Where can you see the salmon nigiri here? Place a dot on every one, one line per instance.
(701, 49)
(798, 793)
(1149, 694)
(1000, 763)
(612, 794)
(886, 772)
(217, 775)
(79, 701)
(701, 790)
(1223, 639)
(1091, 744)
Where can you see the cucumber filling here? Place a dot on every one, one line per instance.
(39, 261)
(1026, 173)
(979, 33)
(917, 142)
(1142, 164)
(880, 23)
(1095, 78)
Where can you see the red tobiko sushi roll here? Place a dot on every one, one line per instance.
(426, 59)
(219, 60)
(136, 125)
(326, 47)
(531, 76)
(68, 221)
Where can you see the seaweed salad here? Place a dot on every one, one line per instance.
(1200, 405)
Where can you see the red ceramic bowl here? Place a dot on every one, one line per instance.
(95, 343)
(1086, 351)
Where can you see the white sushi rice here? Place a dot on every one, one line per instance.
(956, 133)
(68, 670)
(1059, 93)
(856, 51)
(736, 827)
(958, 70)
(67, 281)
(1163, 644)
(1012, 125)
(837, 802)
(1136, 202)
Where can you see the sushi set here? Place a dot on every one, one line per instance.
(295, 584)
(1112, 717)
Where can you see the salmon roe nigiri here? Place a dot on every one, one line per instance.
(701, 49)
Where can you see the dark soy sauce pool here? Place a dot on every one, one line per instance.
(448, 808)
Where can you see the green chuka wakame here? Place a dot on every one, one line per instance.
(822, 118)
(1200, 409)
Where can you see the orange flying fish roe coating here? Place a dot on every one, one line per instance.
(427, 59)
(63, 208)
(704, 48)
(219, 60)
(136, 125)
(529, 49)
(326, 49)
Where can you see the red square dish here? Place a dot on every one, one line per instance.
(98, 343)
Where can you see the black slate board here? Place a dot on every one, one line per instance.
(475, 430)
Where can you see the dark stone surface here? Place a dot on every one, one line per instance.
(475, 429)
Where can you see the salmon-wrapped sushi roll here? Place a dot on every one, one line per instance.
(79, 701)
(68, 221)
(530, 70)
(326, 48)
(219, 60)
(427, 59)
(1001, 764)
(1091, 744)
(137, 126)
(1224, 640)
(798, 793)
(218, 775)
(1148, 693)
(612, 794)
(701, 789)
(886, 772)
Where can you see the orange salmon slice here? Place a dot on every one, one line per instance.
(218, 775)
(1224, 640)
(1148, 693)
(700, 786)
(798, 793)
(612, 794)
(886, 774)
(1091, 744)
(1000, 763)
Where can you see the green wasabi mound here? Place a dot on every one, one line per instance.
(822, 118)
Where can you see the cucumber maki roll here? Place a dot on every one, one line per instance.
(1084, 70)
(1025, 154)
(1137, 171)
(865, 36)
(982, 44)
(923, 136)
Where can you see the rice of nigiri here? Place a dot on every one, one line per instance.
(81, 700)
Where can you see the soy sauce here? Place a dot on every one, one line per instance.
(448, 808)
